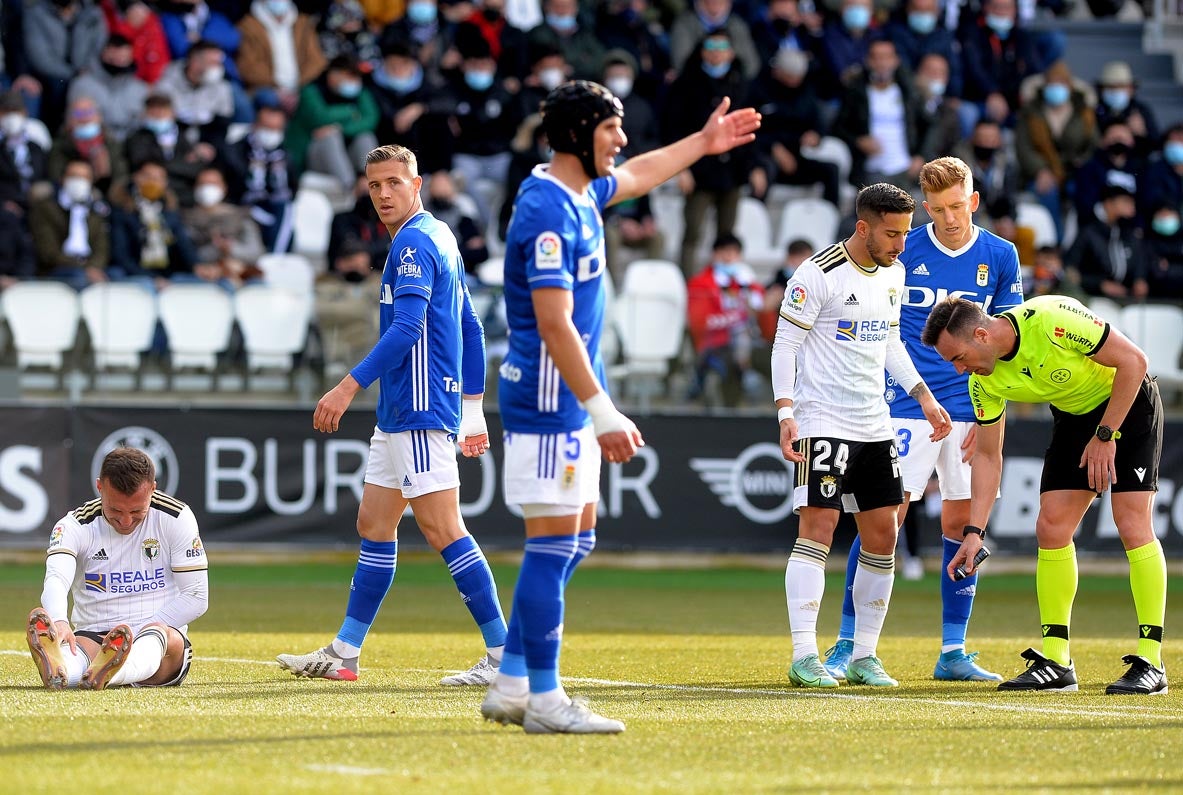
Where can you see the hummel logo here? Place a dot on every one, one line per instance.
(852, 300)
(920, 270)
(1145, 630)
(876, 604)
(100, 555)
(406, 482)
(1140, 472)
(1027, 372)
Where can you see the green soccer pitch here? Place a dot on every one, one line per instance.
(693, 661)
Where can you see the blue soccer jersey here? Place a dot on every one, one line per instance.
(985, 271)
(422, 391)
(555, 239)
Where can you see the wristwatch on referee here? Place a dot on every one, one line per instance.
(969, 529)
(1107, 434)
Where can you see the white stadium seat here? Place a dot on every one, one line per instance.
(121, 319)
(1037, 218)
(198, 319)
(314, 221)
(754, 228)
(274, 325)
(815, 220)
(43, 319)
(1158, 330)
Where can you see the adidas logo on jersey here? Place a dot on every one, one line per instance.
(100, 555)
(852, 300)
(920, 270)
(406, 482)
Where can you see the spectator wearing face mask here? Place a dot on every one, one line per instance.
(70, 228)
(1117, 95)
(938, 127)
(998, 53)
(705, 17)
(359, 228)
(1116, 154)
(918, 32)
(279, 53)
(1109, 253)
(630, 27)
(995, 171)
(83, 136)
(458, 211)
(115, 88)
(333, 129)
(1050, 277)
(139, 24)
(345, 312)
(260, 177)
(412, 105)
(1055, 134)
(1164, 237)
(723, 301)
(548, 70)
(483, 119)
(563, 30)
(225, 238)
(1164, 174)
(161, 138)
(788, 25)
(844, 47)
(199, 90)
(23, 162)
(148, 238)
(343, 31)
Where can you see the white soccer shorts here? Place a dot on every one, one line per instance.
(919, 456)
(559, 469)
(417, 462)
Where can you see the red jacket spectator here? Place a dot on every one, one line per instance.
(139, 25)
(720, 305)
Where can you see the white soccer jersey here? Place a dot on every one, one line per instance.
(126, 579)
(849, 314)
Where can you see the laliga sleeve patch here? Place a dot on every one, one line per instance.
(795, 300)
(548, 252)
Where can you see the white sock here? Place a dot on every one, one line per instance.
(143, 660)
(872, 593)
(76, 665)
(516, 686)
(550, 700)
(345, 651)
(805, 583)
(495, 653)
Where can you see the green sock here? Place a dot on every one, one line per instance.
(1055, 585)
(1148, 581)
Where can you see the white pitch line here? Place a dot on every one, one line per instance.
(349, 770)
(1116, 711)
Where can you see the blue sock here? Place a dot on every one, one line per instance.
(371, 580)
(513, 659)
(957, 601)
(474, 580)
(538, 604)
(846, 628)
(586, 542)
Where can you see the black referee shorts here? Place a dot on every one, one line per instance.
(1138, 449)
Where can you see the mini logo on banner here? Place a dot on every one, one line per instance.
(168, 470)
(548, 252)
(758, 483)
(151, 548)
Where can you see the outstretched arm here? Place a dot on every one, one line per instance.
(723, 132)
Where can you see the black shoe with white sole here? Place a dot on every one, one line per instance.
(1042, 674)
(1142, 679)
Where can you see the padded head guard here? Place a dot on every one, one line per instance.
(570, 115)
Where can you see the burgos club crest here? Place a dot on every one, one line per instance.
(151, 548)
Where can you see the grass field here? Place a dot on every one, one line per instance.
(693, 661)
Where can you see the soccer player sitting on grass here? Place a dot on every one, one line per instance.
(143, 580)
(1107, 423)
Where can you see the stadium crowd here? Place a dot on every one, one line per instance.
(164, 142)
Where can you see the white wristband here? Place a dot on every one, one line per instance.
(599, 405)
(784, 413)
(605, 417)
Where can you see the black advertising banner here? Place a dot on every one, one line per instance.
(264, 475)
